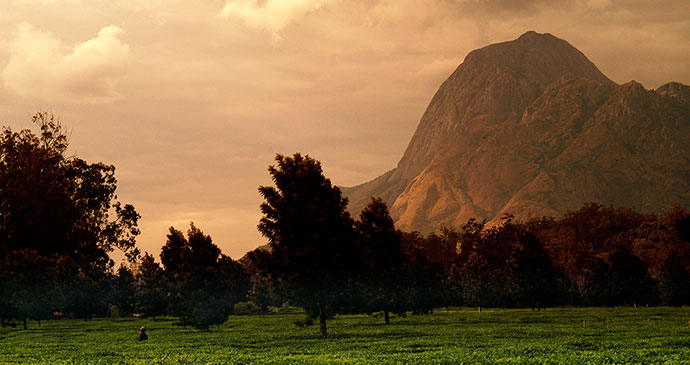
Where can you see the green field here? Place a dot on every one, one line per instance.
(455, 336)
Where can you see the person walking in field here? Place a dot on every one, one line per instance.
(142, 334)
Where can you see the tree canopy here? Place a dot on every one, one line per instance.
(310, 234)
(60, 217)
(204, 284)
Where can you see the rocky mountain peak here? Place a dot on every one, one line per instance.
(676, 92)
(532, 127)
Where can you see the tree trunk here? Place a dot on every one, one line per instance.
(322, 322)
(24, 322)
(387, 317)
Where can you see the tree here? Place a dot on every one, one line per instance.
(124, 290)
(674, 282)
(453, 290)
(531, 275)
(425, 281)
(311, 237)
(594, 282)
(382, 260)
(151, 288)
(28, 290)
(262, 293)
(205, 283)
(60, 211)
(482, 283)
(485, 253)
(631, 283)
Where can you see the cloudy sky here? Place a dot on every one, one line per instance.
(191, 100)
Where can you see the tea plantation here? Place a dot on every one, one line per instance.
(642, 335)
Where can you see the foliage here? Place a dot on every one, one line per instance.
(262, 293)
(310, 234)
(123, 288)
(674, 282)
(60, 213)
(59, 205)
(383, 263)
(151, 288)
(204, 283)
(532, 276)
(630, 281)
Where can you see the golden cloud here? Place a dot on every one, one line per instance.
(272, 15)
(41, 67)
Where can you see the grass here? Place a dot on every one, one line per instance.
(456, 336)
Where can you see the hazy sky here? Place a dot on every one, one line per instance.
(191, 100)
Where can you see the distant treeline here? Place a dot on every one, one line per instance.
(59, 218)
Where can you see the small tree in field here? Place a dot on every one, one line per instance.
(204, 283)
(123, 288)
(532, 277)
(382, 260)
(310, 234)
(630, 281)
(151, 288)
(674, 282)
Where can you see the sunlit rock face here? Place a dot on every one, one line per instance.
(531, 127)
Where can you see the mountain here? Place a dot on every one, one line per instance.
(531, 127)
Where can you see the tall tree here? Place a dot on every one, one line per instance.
(531, 275)
(425, 280)
(59, 210)
(151, 288)
(674, 282)
(631, 283)
(124, 290)
(311, 236)
(382, 260)
(594, 282)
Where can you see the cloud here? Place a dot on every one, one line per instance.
(41, 67)
(45, 2)
(272, 15)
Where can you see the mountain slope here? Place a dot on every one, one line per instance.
(532, 127)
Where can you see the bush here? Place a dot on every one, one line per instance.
(246, 308)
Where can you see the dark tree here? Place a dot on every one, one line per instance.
(205, 284)
(151, 288)
(443, 248)
(594, 225)
(485, 253)
(124, 290)
(311, 236)
(674, 282)
(679, 220)
(85, 292)
(453, 290)
(425, 280)
(594, 282)
(483, 284)
(382, 260)
(262, 293)
(27, 284)
(60, 211)
(631, 284)
(532, 276)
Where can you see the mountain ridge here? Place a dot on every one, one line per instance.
(517, 128)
